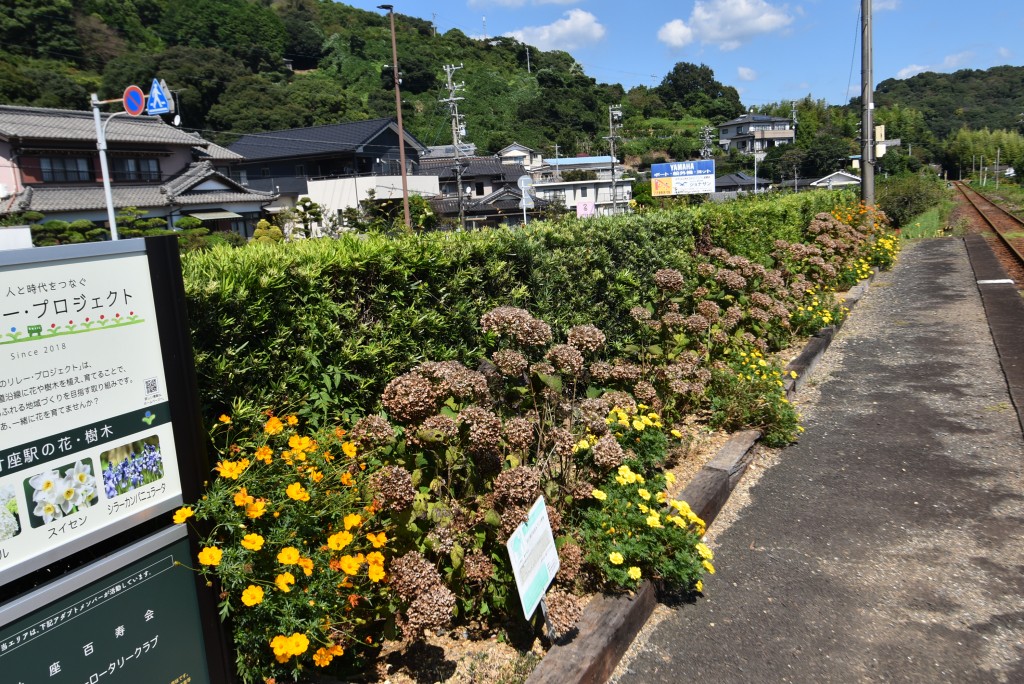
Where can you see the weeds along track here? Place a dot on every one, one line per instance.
(1002, 223)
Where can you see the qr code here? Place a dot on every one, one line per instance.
(152, 387)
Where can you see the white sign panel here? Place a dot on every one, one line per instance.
(683, 178)
(86, 442)
(586, 208)
(534, 557)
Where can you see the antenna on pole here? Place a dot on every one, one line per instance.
(458, 129)
(614, 124)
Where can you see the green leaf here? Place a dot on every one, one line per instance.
(492, 518)
(594, 392)
(457, 554)
(552, 381)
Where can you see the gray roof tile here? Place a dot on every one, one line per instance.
(303, 142)
(35, 123)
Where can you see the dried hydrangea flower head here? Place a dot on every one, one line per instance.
(393, 488)
(566, 359)
(413, 396)
(586, 338)
(372, 431)
(669, 280)
(517, 325)
(509, 362)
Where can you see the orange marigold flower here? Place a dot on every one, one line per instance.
(307, 565)
(289, 555)
(353, 520)
(292, 419)
(183, 514)
(376, 573)
(242, 497)
(346, 479)
(224, 418)
(378, 540)
(297, 492)
(349, 449)
(253, 542)
(265, 454)
(350, 565)
(336, 542)
(301, 444)
(210, 555)
(256, 508)
(339, 433)
(284, 581)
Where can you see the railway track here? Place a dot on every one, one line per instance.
(1005, 225)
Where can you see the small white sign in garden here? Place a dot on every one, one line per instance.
(531, 549)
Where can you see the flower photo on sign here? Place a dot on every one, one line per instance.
(131, 466)
(57, 492)
(10, 525)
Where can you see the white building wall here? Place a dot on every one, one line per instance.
(338, 194)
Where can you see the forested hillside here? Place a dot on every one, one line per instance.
(239, 66)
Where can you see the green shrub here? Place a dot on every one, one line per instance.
(904, 197)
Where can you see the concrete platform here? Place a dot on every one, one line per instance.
(888, 545)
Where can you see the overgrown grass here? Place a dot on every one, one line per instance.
(933, 223)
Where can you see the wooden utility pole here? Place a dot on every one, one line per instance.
(867, 151)
(398, 108)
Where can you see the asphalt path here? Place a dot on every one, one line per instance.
(888, 544)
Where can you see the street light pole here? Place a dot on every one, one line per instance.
(398, 107)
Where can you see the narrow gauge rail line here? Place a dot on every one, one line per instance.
(1008, 227)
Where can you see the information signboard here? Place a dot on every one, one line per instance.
(133, 618)
(531, 548)
(86, 443)
(683, 178)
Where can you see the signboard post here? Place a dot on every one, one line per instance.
(100, 432)
(683, 178)
(531, 548)
(525, 183)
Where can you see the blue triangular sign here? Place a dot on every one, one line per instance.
(157, 103)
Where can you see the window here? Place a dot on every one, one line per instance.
(265, 172)
(300, 170)
(479, 189)
(65, 169)
(583, 191)
(129, 169)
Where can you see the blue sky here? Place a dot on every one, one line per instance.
(768, 50)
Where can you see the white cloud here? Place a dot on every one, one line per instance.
(577, 29)
(675, 34)
(882, 5)
(747, 74)
(949, 63)
(726, 23)
(1004, 53)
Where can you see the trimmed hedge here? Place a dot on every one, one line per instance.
(320, 326)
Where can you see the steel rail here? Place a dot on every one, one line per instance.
(1006, 241)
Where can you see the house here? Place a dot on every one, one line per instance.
(336, 165)
(839, 179)
(482, 189)
(588, 197)
(741, 182)
(755, 134)
(49, 164)
(554, 168)
(527, 157)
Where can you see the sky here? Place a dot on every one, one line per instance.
(768, 50)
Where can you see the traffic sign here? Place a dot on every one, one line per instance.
(527, 201)
(158, 103)
(524, 182)
(134, 100)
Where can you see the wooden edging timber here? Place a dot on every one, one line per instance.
(610, 623)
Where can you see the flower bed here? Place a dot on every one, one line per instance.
(327, 537)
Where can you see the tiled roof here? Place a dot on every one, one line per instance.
(448, 151)
(502, 199)
(572, 161)
(753, 118)
(491, 167)
(316, 140)
(216, 152)
(52, 198)
(35, 123)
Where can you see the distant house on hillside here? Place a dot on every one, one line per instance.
(755, 134)
(49, 163)
(839, 179)
(486, 193)
(741, 182)
(336, 165)
(529, 158)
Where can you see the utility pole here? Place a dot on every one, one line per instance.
(997, 168)
(528, 60)
(398, 107)
(433, 22)
(867, 156)
(558, 173)
(705, 142)
(614, 124)
(458, 130)
(792, 116)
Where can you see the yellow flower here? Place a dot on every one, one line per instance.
(378, 540)
(699, 586)
(349, 564)
(210, 555)
(375, 558)
(670, 478)
(183, 514)
(709, 567)
(232, 469)
(273, 425)
(677, 434)
(638, 424)
(297, 491)
(286, 647)
(643, 509)
(661, 497)
(336, 542)
(376, 573)
(324, 656)
(284, 581)
(704, 552)
(634, 573)
(599, 495)
(307, 565)
(615, 558)
(265, 454)
(252, 595)
(225, 419)
(289, 555)
(301, 445)
(349, 449)
(292, 420)
(644, 494)
(353, 520)
(253, 542)
(242, 497)
(620, 479)
(256, 508)
(654, 520)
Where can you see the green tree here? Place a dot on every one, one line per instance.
(696, 89)
(247, 31)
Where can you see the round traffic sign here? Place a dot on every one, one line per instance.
(524, 182)
(134, 100)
